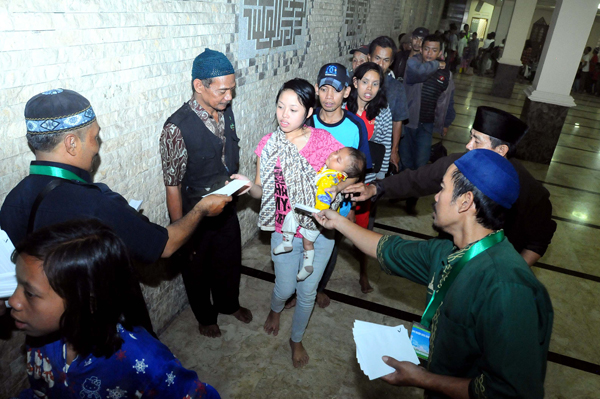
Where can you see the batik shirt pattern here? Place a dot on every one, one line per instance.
(173, 152)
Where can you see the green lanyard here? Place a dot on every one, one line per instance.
(477, 248)
(54, 171)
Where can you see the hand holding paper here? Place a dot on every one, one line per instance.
(231, 188)
(373, 341)
(212, 205)
(244, 179)
(306, 208)
(405, 373)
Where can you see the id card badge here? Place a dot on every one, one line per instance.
(419, 338)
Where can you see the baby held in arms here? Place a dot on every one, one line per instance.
(345, 163)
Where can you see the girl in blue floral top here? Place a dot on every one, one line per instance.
(84, 340)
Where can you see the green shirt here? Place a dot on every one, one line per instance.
(495, 322)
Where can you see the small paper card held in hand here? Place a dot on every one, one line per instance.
(231, 188)
(306, 208)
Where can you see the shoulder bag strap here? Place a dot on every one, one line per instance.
(49, 187)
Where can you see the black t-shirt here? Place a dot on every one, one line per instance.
(76, 200)
(432, 89)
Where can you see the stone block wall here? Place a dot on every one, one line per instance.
(132, 60)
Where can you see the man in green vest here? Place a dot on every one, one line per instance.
(490, 318)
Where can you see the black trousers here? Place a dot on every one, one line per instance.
(211, 266)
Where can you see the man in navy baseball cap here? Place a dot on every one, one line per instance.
(333, 87)
(334, 75)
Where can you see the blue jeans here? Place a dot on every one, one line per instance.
(415, 146)
(287, 266)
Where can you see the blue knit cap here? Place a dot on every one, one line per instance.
(492, 174)
(211, 64)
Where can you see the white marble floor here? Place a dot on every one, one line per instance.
(245, 362)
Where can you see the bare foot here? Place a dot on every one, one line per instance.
(322, 300)
(365, 287)
(299, 354)
(272, 323)
(211, 331)
(290, 303)
(244, 315)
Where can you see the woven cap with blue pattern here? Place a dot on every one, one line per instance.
(56, 111)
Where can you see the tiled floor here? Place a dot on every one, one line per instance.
(245, 362)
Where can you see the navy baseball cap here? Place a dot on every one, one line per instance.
(334, 75)
(362, 49)
(421, 32)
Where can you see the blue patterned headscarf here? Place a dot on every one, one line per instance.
(211, 64)
(57, 111)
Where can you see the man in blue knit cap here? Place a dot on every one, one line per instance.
(200, 150)
(489, 318)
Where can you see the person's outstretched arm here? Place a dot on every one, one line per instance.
(408, 183)
(418, 71)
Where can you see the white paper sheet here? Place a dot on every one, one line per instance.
(230, 188)
(135, 204)
(8, 279)
(307, 208)
(373, 341)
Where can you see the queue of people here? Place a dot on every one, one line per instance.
(368, 136)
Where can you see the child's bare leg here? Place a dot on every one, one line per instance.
(308, 245)
(309, 256)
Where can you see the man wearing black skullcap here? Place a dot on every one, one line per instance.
(63, 132)
(528, 226)
(200, 151)
(488, 316)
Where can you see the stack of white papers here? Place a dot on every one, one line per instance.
(8, 277)
(373, 341)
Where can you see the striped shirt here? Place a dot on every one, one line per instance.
(382, 135)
